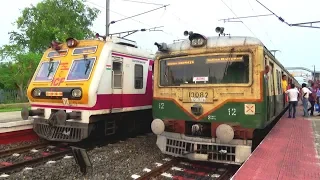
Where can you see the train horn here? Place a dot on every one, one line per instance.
(220, 30)
(186, 33)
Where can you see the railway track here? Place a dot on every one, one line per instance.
(33, 162)
(42, 154)
(196, 170)
(159, 170)
(22, 149)
(10, 164)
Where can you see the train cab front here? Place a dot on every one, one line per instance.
(205, 100)
(59, 90)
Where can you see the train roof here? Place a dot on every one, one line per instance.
(127, 46)
(224, 41)
(218, 41)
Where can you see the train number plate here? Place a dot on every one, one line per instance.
(198, 96)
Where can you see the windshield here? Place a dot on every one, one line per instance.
(216, 69)
(47, 71)
(81, 69)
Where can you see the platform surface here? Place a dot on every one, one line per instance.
(10, 116)
(288, 152)
(11, 121)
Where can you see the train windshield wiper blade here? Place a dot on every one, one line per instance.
(50, 68)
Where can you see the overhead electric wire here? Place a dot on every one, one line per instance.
(296, 24)
(142, 2)
(244, 17)
(164, 6)
(117, 13)
(184, 22)
(130, 18)
(261, 23)
(178, 18)
(237, 17)
(280, 18)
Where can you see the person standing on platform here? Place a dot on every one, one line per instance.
(318, 98)
(312, 98)
(305, 96)
(293, 94)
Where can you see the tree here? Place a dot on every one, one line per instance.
(53, 20)
(37, 27)
(17, 73)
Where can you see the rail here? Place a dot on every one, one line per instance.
(8, 152)
(157, 171)
(225, 174)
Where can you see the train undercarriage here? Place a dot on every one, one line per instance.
(61, 127)
(211, 142)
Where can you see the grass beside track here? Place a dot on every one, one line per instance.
(13, 107)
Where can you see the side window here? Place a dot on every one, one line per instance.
(117, 74)
(138, 76)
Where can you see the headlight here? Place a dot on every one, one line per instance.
(36, 92)
(76, 93)
(71, 42)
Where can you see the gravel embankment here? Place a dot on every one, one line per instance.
(114, 161)
(19, 144)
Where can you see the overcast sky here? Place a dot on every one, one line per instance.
(298, 46)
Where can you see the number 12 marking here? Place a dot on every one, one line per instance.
(232, 111)
(161, 105)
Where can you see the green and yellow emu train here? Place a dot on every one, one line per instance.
(211, 95)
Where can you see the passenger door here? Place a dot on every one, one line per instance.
(117, 83)
(273, 99)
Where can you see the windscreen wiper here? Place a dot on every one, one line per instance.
(87, 63)
(87, 66)
(50, 67)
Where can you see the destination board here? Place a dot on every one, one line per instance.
(84, 50)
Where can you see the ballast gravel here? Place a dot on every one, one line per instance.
(114, 161)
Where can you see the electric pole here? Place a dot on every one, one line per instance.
(107, 17)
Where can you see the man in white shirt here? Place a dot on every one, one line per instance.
(305, 96)
(293, 94)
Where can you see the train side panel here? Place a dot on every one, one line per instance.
(276, 101)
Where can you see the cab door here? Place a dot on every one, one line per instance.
(117, 84)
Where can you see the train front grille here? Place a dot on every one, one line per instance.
(60, 133)
(215, 152)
